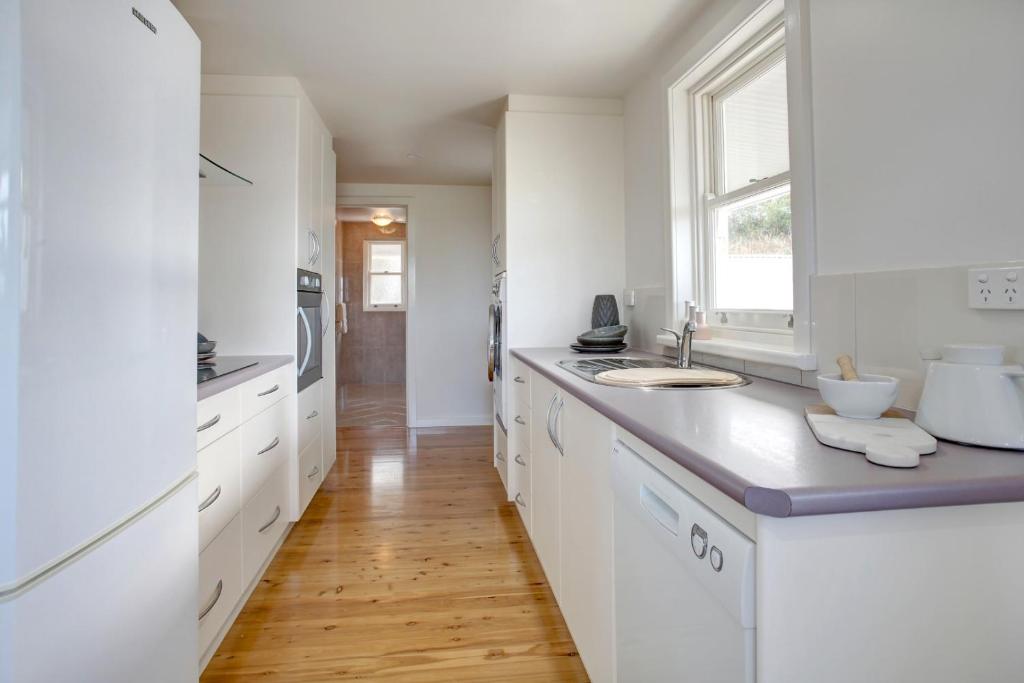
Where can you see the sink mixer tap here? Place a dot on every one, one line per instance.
(683, 342)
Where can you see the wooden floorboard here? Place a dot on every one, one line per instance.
(408, 565)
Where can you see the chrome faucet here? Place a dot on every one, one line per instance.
(683, 342)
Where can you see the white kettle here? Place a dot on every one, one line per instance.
(970, 396)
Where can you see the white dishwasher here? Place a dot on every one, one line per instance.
(684, 583)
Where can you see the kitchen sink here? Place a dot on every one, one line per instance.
(588, 369)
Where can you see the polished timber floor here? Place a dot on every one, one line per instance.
(407, 566)
(371, 405)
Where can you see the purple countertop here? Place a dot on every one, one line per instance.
(264, 364)
(754, 445)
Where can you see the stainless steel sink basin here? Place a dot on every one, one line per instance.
(588, 368)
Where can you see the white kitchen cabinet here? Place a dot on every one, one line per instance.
(266, 444)
(220, 581)
(328, 419)
(519, 456)
(220, 485)
(310, 403)
(587, 524)
(264, 521)
(545, 528)
(501, 454)
(311, 473)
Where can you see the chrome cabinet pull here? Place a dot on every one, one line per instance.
(520, 420)
(216, 596)
(269, 391)
(313, 472)
(312, 415)
(519, 500)
(554, 428)
(519, 379)
(271, 446)
(499, 456)
(210, 499)
(277, 513)
(311, 247)
(519, 460)
(551, 406)
(206, 425)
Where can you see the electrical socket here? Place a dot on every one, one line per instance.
(996, 288)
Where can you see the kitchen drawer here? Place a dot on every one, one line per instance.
(501, 455)
(264, 391)
(220, 581)
(520, 381)
(311, 403)
(311, 463)
(220, 485)
(264, 520)
(522, 501)
(266, 441)
(216, 416)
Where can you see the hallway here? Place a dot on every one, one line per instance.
(407, 566)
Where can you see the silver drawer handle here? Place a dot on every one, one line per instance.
(520, 420)
(277, 513)
(519, 500)
(519, 379)
(272, 446)
(206, 425)
(519, 460)
(312, 415)
(499, 457)
(313, 472)
(210, 499)
(216, 596)
(269, 391)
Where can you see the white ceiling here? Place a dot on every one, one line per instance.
(362, 214)
(394, 78)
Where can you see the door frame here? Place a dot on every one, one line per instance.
(409, 204)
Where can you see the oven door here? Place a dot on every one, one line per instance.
(310, 339)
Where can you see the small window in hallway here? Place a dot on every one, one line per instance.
(384, 284)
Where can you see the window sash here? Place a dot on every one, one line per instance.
(708, 134)
(369, 274)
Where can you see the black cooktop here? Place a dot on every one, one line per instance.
(219, 368)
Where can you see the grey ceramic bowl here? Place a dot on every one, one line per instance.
(603, 336)
(205, 346)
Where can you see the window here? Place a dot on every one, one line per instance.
(384, 275)
(742, 218)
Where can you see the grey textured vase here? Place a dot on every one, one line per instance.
(606, 311)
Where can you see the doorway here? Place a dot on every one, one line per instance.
(373, 259)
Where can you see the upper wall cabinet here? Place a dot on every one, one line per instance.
(314, 153)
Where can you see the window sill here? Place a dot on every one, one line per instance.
(760, 353)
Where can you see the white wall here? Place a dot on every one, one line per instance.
(648, 259)
(919, 132)
(450, 280)
(917, 135)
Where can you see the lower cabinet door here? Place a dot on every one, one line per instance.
(544, 480)
(220, 581)
(310, 473)
(220, 486)
(264, 520)
(587, 523)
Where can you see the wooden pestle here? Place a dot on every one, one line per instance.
(846, 367)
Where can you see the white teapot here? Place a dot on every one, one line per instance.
(970, 396)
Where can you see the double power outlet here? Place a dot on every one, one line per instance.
(996, 288)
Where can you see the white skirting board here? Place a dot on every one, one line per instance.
(457, 421)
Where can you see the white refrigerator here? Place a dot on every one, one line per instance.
(99, 133)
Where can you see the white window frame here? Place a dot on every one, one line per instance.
(740, 69)
(368, 274)
(684, 242)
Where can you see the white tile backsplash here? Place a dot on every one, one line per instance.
(896, 314)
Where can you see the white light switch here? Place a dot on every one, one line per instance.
(629, 297)
(996, 288)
